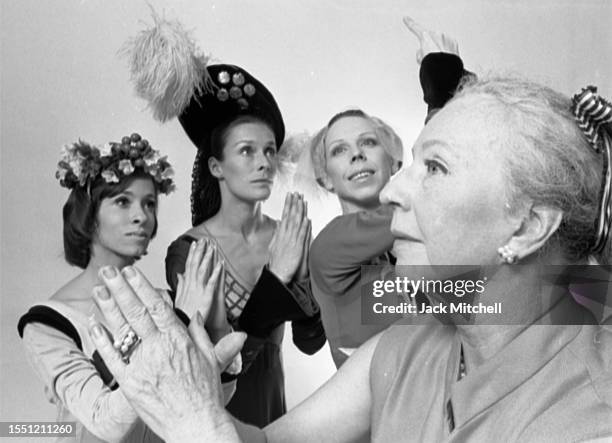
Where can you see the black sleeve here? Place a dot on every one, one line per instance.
(440, 74)
(272, 303)
(308, 334)
(50, 317)
(176, 256)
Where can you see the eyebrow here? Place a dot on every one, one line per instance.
(131, 194)
(433, 142)
(372, 132)
(251, 141)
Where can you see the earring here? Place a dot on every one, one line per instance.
(507, 255)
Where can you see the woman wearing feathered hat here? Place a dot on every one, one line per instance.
(237, 128)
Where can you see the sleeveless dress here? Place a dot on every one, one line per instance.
(551, 383)
(260, 394)
(59, 349)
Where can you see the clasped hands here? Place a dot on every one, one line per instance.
(291, 241)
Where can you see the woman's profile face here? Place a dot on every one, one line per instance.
(450, 201)
(125, 222)
(249, 161)
(357, 166)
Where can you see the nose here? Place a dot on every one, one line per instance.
(397, 191)
(265, 162)
(357, 154)
(139, 215)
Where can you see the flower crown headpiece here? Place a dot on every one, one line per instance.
(81, 163)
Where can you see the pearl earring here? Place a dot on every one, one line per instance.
(507, 255)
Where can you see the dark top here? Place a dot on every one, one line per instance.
(352, 240)
(265, 307)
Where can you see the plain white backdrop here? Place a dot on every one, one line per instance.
(62, 79)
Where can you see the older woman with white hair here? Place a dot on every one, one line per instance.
(503, 178)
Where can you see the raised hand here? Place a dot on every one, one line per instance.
(289, 241)
(171, 380)
(430, 41)
(197, 286)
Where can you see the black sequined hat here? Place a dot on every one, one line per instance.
(176, 79)
(230, 92)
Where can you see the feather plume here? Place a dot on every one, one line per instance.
(296, 171)
(166, 67)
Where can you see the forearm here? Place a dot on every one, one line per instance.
(338, 411)
(75, 381)
(440, 75)
(208, 425)
(111, 417)
(308, 334)
(272, 303)
(347, 243)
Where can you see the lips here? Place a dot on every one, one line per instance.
(361, 174)
(139, 235)
(262, 180)
(401, 236)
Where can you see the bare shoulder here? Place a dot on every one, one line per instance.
(199, 231)
(76, 294)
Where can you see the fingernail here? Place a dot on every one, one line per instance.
(199, 319)
(101, 292)
(97, 331)
(129, 272)
(109, 272)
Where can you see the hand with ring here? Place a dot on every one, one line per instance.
(169, 374)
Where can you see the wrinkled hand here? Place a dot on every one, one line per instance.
(171, 380)
(287, 245)
(430, 41)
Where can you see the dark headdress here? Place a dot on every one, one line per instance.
(176, 80)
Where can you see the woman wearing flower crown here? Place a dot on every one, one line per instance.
(109, 219)
(237, 127)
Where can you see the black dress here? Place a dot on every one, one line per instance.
(260, 310)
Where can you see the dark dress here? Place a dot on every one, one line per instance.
(260, 310)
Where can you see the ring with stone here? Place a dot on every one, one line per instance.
(127, 344)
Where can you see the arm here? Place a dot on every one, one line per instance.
(308, 334)
(70, 375)
(440, 75)
(345, 244)
(441, 67)
(187, 396)
(267, 284)
(338, 411)
(271, 304)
